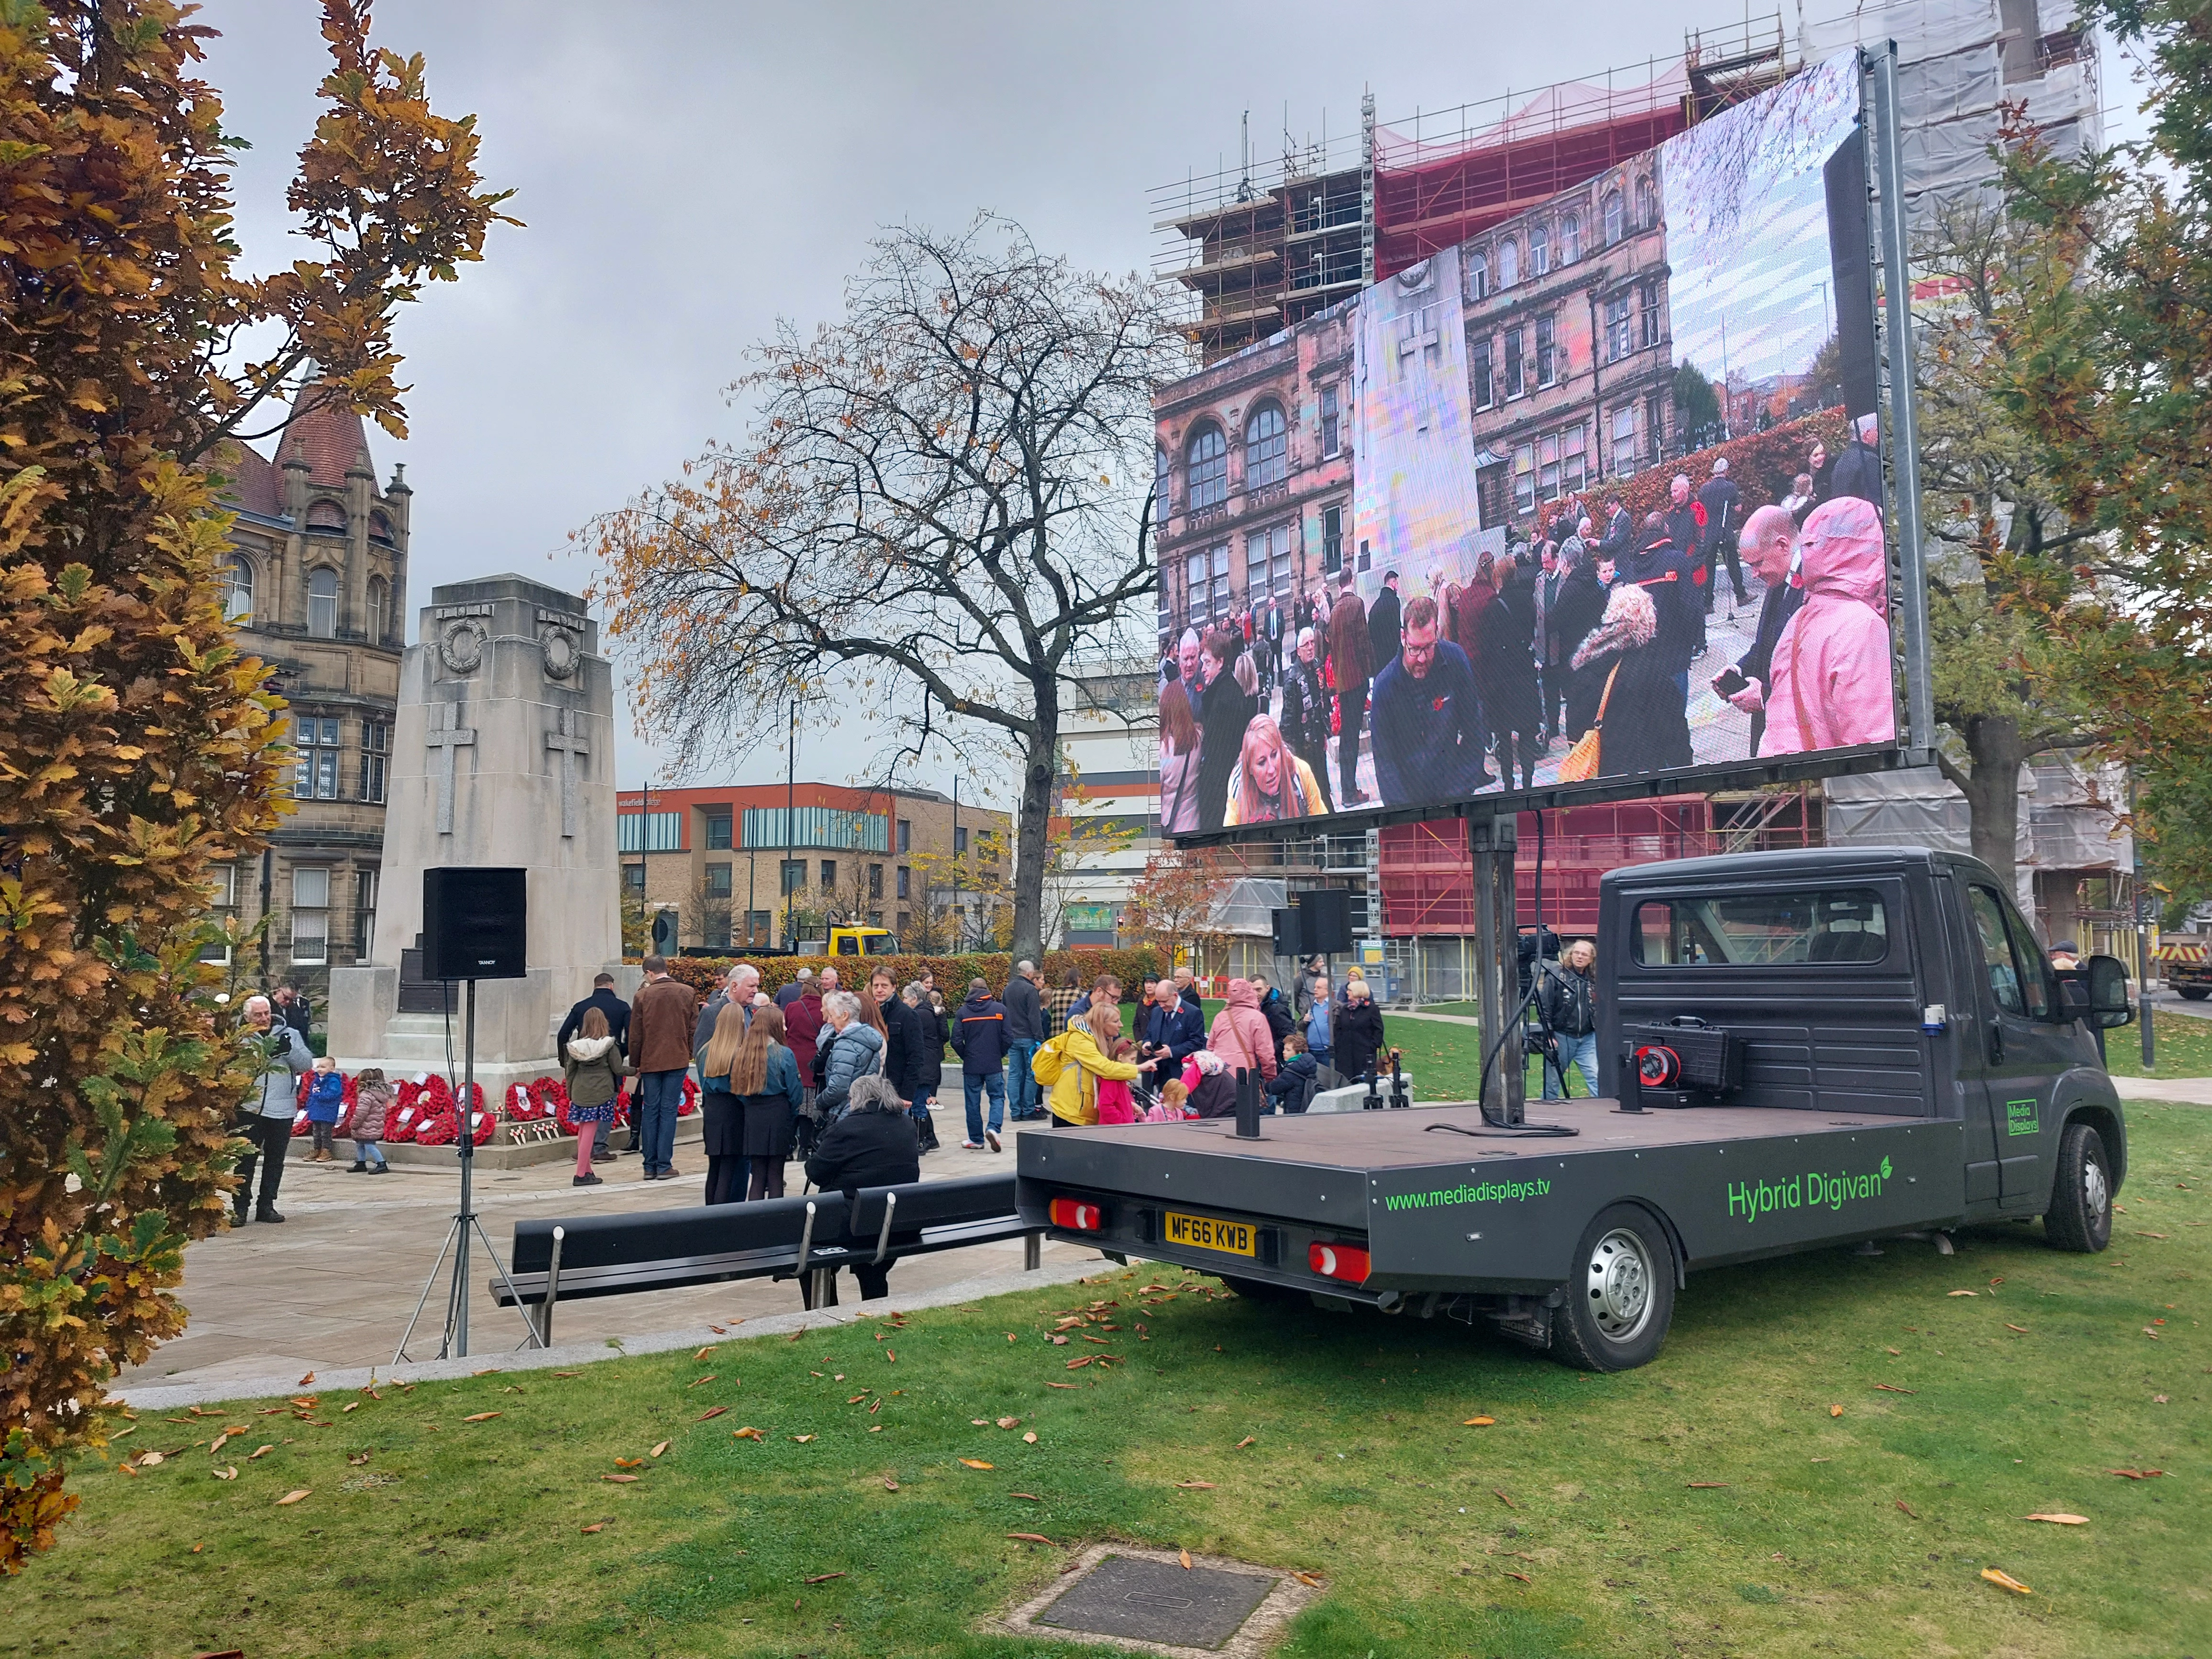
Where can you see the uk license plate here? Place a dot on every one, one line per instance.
(1205, 1232)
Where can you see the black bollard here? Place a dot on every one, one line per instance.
(1248, 1104)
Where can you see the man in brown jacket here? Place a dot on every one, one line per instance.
(662, 1018)
(1348, 653)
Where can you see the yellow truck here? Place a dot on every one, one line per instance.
(2184, 962)
(863, 942)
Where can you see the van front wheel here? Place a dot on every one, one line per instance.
(1621, 1297)
(2081, 1214)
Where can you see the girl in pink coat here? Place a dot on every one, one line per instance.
(1831, 664)
(1240, 1034)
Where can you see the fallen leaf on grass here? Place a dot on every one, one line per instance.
(567, 1373)
(480, 1417)
(1030, 1437)
(1246, 1441)
(1906, 1509)
(973, 1422)
(628, 1462)
(1892, 1388)
(2138, 1475)
(796, 1334)
(2141, 1233)
(1504, 1499)
(358, 1461)
(1895, 1353)
(891, 1357)
(823, 1577)
(2151, 1333)
(1480, 1423)
(1060, 1342)
(217, 1444)
(975, 1463)
(488, 1370)
(1523, 1576)
(1195, 1486)
(620, 1479)
(1307, 1578)
(1705, 1486)
(307, 1404)
(251, 1456)
(596, 1526)
(1010, 1422)
(2007, 1580)
(704, 1352)
(350, 1406)
(133, 1429)
(874, 1407)
(230, 1474)
(708, 1415)
(748, 1434)
(2022, 1329)
(2059, 1520)
(1835, 1411)
(661, 1448)
(2158, 1400)
(890, 1483)
(128, 1470)
(294, 1496)
(1077, 1364)
(1185, 1554)
(1966, 1293)
(802, 1438)
(1030, 1537)
(702, 1383)
(1059, 1385)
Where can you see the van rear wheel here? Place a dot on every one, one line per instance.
(1621, 1299)
(2080, 1214)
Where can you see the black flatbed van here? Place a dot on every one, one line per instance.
(1901, 1059)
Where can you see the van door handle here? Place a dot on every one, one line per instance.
(1997, 1042)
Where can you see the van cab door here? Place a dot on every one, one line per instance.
(2025, 1046)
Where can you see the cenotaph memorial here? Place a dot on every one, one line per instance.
(502, 755)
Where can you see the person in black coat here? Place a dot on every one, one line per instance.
(1579, 608)
(872, 1144)
(1383, 620)
(1643, 729)
(1356, 1032)
(913, 1050)
(603, 999)
(1275, 1009)
(1506, 672)
(1224, 712)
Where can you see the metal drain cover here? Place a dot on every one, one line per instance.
(1141, 1601)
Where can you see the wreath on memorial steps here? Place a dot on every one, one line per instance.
(425, 1112)
(300, 1124)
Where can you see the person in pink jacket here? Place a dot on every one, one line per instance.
(1240, 1035)
(1831, 664)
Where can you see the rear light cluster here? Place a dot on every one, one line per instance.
(1348, 1262)
(1076, 1216)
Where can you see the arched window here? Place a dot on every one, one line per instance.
(323, 604)
(1647, 206)
(1478, 277)
(379, 604)
(1540, 250)
(237, 590)
(1205, 467)
(1509, 264)
(1266, 446)
(1614, 222)
(1570, 238)
(1161, 505)
(326, 518)
(379, 528)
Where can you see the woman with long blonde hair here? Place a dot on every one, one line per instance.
(1272, 781)
(764, 1079)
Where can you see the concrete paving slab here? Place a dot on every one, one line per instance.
(2188, 1091)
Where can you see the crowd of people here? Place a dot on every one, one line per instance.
(1594, 626)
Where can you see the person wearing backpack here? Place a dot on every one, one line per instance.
(1071, 1065)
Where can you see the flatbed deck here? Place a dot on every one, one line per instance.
(1446, 1203)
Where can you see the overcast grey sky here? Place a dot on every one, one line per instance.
(691, 172)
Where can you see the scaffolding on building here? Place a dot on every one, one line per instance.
(1264, 244)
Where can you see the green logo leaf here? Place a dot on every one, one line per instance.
(1885, 1168)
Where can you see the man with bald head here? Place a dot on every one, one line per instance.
(1770, 545)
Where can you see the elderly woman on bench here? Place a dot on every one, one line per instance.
(873, 1144)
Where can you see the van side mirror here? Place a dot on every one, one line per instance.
(2105, 979)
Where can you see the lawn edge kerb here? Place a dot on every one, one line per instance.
(1006, 1282)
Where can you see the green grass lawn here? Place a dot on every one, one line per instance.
(1713, 1503)
(2183, 1046)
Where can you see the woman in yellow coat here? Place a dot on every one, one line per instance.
(1272, 782)
(1074, 1097)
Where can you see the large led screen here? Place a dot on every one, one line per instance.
(1594, 496)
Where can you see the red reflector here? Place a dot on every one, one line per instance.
(1074, 1214)
(1345, 1261)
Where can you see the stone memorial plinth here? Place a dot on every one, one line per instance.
(502, 755)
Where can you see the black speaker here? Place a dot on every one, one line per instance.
(1324, 922)
(1286, 933)
(476, 923)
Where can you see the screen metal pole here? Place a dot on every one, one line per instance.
(1905, 429)
(468, 1147)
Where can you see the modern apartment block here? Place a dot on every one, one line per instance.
(762, 865)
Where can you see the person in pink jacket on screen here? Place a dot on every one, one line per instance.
(1831, 664)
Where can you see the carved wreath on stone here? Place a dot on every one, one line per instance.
(561, 655)
(461, 645)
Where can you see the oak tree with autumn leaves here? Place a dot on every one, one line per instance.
(941, 512)
(139, 746)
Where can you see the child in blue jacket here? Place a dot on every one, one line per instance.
(1287, 1088)
(325, 1105)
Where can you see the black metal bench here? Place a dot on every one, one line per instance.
(770, 1238)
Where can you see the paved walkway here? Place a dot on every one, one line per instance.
(334, 1286)
(2189, 1090)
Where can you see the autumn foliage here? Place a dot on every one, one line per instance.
(139, 746)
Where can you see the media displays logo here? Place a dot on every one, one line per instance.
(1815, 1189)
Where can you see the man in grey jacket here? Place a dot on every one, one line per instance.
(1025, 1029)
(265, 1114)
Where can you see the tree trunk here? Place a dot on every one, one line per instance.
(1997, 751)
(1033, 826)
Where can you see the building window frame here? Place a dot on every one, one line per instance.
(366, 880)
(1266, 446)
(1205, 467)
(1524, 477)
(1626, 453)
(1482, 374)
(1570, 238)
(1616, 217)
(721, 832)
(376, 760)
(1332, 442)
(1332, 538)
(1516, 366)
(311, 915)
(1548, 352)
(323, 602)
(238, 591)
(1478, 277)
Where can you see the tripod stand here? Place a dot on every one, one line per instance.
(454, 1342)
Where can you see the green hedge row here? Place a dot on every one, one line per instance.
(704, 974)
